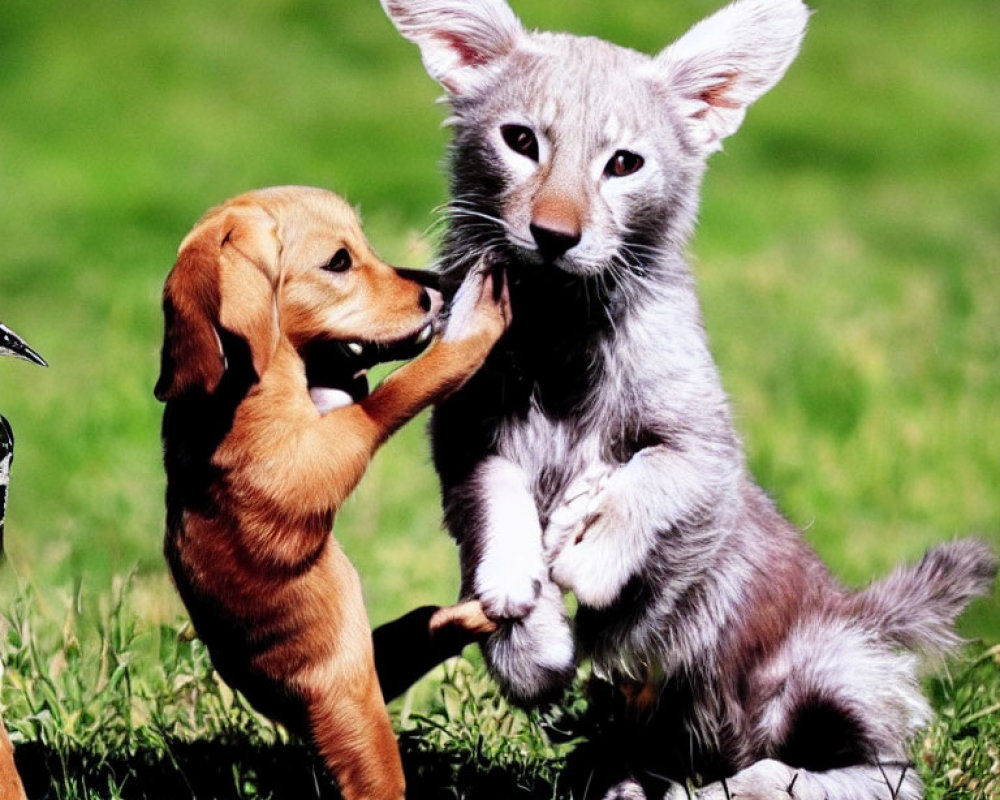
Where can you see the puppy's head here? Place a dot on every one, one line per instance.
(292, 263)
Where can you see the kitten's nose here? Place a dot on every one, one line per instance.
(553, 241)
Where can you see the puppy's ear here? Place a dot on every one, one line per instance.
(461, 41)
(192, 351)
(225, 279)
(726, 62)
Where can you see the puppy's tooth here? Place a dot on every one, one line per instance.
(356, 347)
(426, 333)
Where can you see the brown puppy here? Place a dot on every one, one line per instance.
(10, 781)
(274, 310)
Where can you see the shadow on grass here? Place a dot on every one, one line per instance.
(592, 746)
(235, 770)
(199, 769)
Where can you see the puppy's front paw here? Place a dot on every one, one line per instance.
(467, 619)
(480, 309)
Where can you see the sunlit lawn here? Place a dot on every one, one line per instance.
(848, 258)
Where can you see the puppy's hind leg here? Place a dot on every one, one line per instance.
(354, 737)
(347, 718)
(10, 781)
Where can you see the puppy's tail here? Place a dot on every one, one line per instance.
(532, 658)
(916, 607)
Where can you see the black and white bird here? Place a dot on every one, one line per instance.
(10, 345)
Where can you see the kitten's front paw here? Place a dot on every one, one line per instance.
(510, 594)
(570, 520)
(591, 566)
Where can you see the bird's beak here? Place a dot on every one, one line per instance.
(13, 345)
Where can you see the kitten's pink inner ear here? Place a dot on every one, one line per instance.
(458, 39)
(717, 94)
(467, 56)
(725, 63)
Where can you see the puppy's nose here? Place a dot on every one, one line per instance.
(554, 241)
(429, 299)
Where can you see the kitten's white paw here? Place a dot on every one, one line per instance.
(594, 565)
(507, 593)
(570, 519)
(588, 568)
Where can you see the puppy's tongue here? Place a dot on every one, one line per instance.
(326, 398)
(329, 363)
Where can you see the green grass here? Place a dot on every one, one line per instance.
(848, 258)
(94, 714)
(959, 756)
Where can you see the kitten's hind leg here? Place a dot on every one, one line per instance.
(532, 657)
(774, 780)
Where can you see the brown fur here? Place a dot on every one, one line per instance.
(255, 473)
(10, 781)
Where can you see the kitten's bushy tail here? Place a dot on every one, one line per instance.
(917, 606)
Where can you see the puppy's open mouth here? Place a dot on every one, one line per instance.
(337, 371)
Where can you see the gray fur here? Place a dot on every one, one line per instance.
(595, 452)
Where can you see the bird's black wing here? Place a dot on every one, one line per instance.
(6, 457)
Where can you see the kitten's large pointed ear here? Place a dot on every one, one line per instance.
(725, 62)
(461, 41)
(224, 280)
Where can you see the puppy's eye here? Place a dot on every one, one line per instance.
(623, 163)
(521, 140)
(341, 261)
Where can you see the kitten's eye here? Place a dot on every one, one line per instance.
(521, 140)
(623, 163)
(341, 261)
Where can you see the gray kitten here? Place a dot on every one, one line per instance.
(595, 451)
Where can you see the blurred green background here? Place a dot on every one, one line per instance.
(848, 257)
